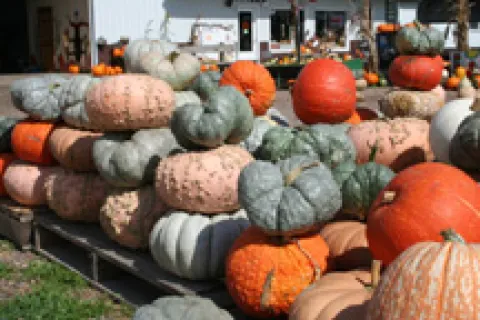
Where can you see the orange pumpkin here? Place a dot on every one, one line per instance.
(388, 27)
(118, 70)
(99, 70)
(264, 275)
(30, 141)
(372, 78)
(110, 71)
(253, 80)
(73, 68)
(204, 68)
(416, 72)
(461, 72)
(354, 119)
(476, 78)
(452, 82)
(347, 57)
(5, 160)
(117, 52)
(214, 67)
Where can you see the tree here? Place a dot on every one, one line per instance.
(463, 18)
(366, 32)
(295, 21)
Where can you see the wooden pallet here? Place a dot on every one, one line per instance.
(129, 276)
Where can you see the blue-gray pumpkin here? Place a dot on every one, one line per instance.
(419, 39)
(260, 126)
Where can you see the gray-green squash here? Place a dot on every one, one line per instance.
(464, 151)
(126, 160)
(260, 126)
(39, 97)
(181, 308)
(289, 197)
(6, 126)
(206, 82)
(195, 246)
(343, 171)
(419, 40)
(186, 97)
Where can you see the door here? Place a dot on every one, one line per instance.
(45, 37)
(407, 12)
(247, 34)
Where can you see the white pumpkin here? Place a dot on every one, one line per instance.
(186, 97)
(137, 48)
(195, 246)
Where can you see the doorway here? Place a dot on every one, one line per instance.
(45, 37)
(247, 34)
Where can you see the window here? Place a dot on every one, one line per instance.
(245, 27)
(330, 26)
(282, 28)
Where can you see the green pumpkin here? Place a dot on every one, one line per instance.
(464, 149)
(206, 83)
(181, 308)
(289, 197)
(343, 171)
(419, 40)
(6, 126)
(186, 97)
(260, 126)
(329, 143)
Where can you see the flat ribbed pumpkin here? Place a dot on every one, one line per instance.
(5, 160)
(30, 142)
(416, 72)
(254, 81)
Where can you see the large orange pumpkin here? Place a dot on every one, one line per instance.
(325, 91)
(253, 80)
(5, 160)
(416, 72)
(264, 275)
(30, 141)
(418, 204)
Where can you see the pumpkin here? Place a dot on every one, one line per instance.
(186, 97)
(446, 122)
(74, 68)
(129, 160)
(5, 160)
(430, 280)
(466, 89)
(184, 307)
(464, 146)
(130, 102)
(254, 81)
(6, 127)
(419, 39)
(348, 245)
(387, 27)
(416, 72)
(460, 72)
(118, 52)
(417, 204)
(402, 142)
(372, 78)
(260, 126)
(25, 182)
(453, 83)
(72, 100)
(118, 69)
(342, 171)
(354, 119)
(361, 84)
(177, 69)
(204, 182)
(76, 196)
(290, 197)
(411, 104)
(329, 143)
(30, 141)
(38, 96)
(137, 48)
(195, 246)
(99, 70)
(206, 83)
(325, 91)
(264, 275)
(127, 216)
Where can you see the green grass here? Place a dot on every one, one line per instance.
(5, 271)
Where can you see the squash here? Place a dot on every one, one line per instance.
(419, 39)
(38, 96)
(72, 100)
(453, 83)
(329, 143)
(137, 48)
(260, 126)
(430, 280)
(5, 160)
(6, 127)
(461, 72)
(76, 196)
(466, 89)
(343, 171)
(74, 68)
(264, 274)
(254, 81)
(186, 97)
(416, 72)
(30, 141)
(178, 69)
(73, 148)
(194, 246)
(129, 160)
(184, 307)
(290, 197)
(203, 182)
(361, 84)
(464, 146)
(325, 91)
(127, 216)
(130, 102)
(206, 83)
(417, 204)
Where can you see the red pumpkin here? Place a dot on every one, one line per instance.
(418, 204)
(325, 91)
(416, 72)
(30, 141)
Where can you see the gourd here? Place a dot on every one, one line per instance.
(137, 48)
(419, 39)
(39, 97)
(195, 246)
(203, 182)
(416, 72)
(5, 160)
(464, 146)
(6, 127)
(260, 126)
(288, 198)
(130, 102)
(186, 97)
(30, 141)
(178, 69)
(129, 160)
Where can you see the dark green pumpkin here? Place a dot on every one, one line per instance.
(465, 144)
(343, 171)
(419, 40)
(6, 126)
(205, 83)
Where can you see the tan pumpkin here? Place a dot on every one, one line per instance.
(203, 182)
(347, 241)
(402, 142)
(25, 182)
(76, 196)
(72, 148)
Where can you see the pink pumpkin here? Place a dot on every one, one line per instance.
(128, 216)
(203, 182)
(130, 102)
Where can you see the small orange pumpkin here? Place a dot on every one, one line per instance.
(99, 70)
(118, 69)
(452, 82)
(461, 72)
(214, 67)
(73, 68)
(388, 27)
(347, 57)
(30, 141)
(117, 52)
(204, 68)
(372, 78)
(5, 160)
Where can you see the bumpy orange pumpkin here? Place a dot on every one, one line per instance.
(264, 275)
(5, 160)
(253, 80)
(30, 141)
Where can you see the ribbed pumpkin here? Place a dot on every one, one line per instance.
(130, 102)
(419, 39)
(416, 72)
(5, 160)
(430, 281)
(265, 275)
(420, 202)
(203, 182)
(72, 148)
(30, 142)
(325, 91)
(260, 126)
(254, 81)
(6, 127)
(138, 47)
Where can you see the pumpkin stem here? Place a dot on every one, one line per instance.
(292, 175)
(317, 271)
(376, 268)
(267, 290)
(173, 56)
(452, 236)
(389, 196)
(373, 151)
(476, 104)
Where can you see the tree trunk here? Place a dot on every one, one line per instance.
(366, 31)
(294, 12)
(463, 18)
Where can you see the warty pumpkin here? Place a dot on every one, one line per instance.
(137, 48)
(416, 72)
(6, 127)
(5, 160)
(419, 39)
(30, 141)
